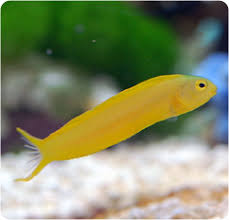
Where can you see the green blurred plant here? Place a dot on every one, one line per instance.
(109, 37)
(24, 27)
(115, 38)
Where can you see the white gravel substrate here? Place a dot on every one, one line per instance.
(109, 180)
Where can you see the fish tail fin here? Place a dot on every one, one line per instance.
(31, 141)
(34, 144)
(41, 165)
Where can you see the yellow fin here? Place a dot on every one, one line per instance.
(31, 140)
(38, 169)
(34, 144)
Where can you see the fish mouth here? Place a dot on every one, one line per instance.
(214, 91)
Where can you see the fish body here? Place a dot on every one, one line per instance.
(122, 116)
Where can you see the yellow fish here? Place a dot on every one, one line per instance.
(120, 117)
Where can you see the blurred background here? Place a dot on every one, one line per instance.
(60, 59)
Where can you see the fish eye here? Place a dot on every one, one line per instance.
(201, 85)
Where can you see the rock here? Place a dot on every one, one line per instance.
(171, 179)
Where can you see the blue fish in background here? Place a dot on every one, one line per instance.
(215, 68)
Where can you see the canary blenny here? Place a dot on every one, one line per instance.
(120, 117)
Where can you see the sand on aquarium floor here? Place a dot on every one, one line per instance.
(169, 179)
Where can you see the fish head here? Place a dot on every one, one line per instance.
(195, 91)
